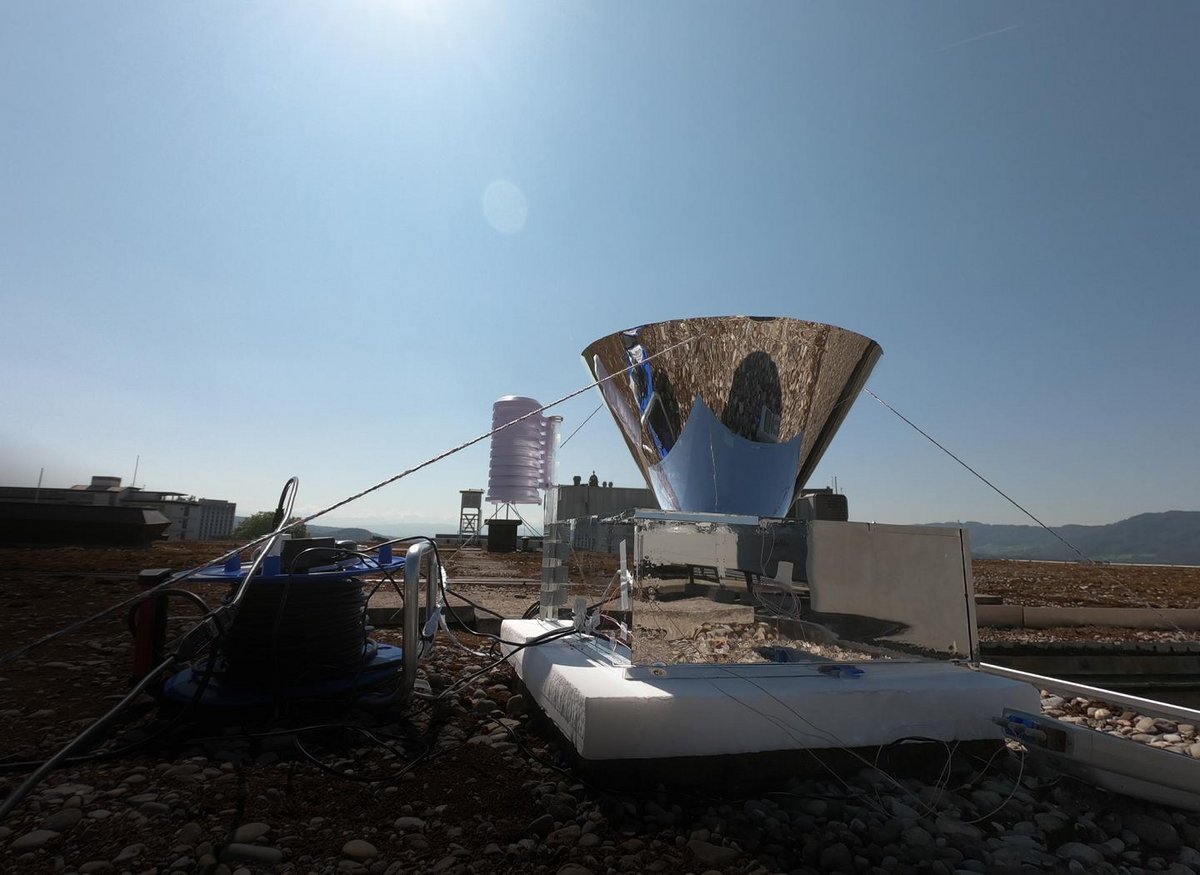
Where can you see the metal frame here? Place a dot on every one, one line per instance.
(1145, 707)
(412, 608)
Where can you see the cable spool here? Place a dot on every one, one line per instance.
(291, 631)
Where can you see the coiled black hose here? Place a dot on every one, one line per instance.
(293, 630)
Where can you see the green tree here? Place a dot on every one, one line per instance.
(258, 524)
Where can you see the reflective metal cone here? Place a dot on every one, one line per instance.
(735, 420)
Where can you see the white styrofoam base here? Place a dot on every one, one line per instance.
(609, 710)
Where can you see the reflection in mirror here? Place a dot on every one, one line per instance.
(715, 588)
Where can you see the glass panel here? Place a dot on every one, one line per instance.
(718, 588)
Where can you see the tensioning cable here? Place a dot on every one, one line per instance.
(21, 651)
(1084, 558)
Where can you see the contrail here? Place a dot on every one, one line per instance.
(973, 39)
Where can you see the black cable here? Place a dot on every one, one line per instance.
(182, 593)
(447, 593)
(532, 642)
(283, 630)
(287, 499)
(208, 631)
(17, 653)
(291, 628)
(15, 797)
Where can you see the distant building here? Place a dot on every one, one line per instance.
(192, 519)
(584, 505)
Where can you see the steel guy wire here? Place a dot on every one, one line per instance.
(1087, 560)
(21, 651)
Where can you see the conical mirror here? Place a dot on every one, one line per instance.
(736, 418)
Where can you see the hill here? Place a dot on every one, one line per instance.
(342, 533)
(347, 534)
(1169, 538)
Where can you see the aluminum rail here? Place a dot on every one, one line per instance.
(1146, 707)
(412, 599)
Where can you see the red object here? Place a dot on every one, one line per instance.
(149, 624)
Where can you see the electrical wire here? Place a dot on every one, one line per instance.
(282, 523)
(1083, 558)
(188, 595)
(207, 632)
(581, 425)
(830, 736)
(16, 654)
(268, 539)
(471, 442)
(989, 483)
(1016, 787)
(552, 635)
(14, 798)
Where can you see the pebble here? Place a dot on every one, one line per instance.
(948, 826)
(565, 836)
(1155, 832)
(359, 849)
(818, 824)
(129, 852)
(837, 857)
(251, 853)
(31, 841)
(573, 869)
(515, 706)
(248, 832)
(189, 834)
(540, 826)
(63, 820)
(712, 855)
(1081, 853)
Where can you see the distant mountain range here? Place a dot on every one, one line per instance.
(1170, 538)
(343, 534)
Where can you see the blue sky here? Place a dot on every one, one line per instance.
(250, 240)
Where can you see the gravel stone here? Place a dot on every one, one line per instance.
(1155, 832)
(63, 820)
(251, 853)
(565, 836)
(712, 855)
(248, 832)
(1080, 852)
(540, 826)
(574, 869)
(31, 841)
(359, 849)
(837, 856)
